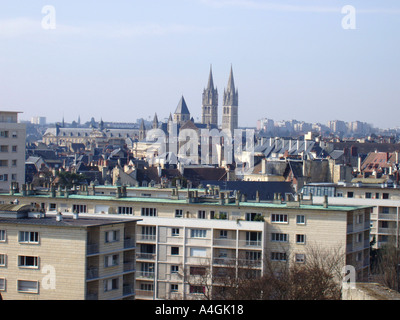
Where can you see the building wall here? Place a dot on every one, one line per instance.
(61, 252)
(12, 150)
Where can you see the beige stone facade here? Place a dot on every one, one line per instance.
(81, 258)
(178, 236)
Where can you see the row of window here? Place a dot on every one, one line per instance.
(23, 237)
(284, 237)
(4, 177)
(4, 148)
(6, 134)
(23, 261)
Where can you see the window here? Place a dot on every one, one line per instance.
(198, 233)
(2, 284)
(4, 177)
(198, 252)
(253, 255)
(79, 208)
(146, 286)
(111, 260)
(111, 236)
(149, 212)
(3, 260)
(174, 251)
(223, 234)
(3, 235)
(279, 237)
(385, 195)
(13, 163)
(359, 237)
(377, 195)
(197, 289)
(174, 269)
(28, 262)
(174, 288)
(28, 237)
(300, 238)
(110, 284)
(3, 163)
(148, 232)
(201, 214)
(14, 148)
(278, 256)
(339, 195)
(350, 194)
(360, 218)
(4, 134)
(52, 207)
(197, 271)
(4, 148)
(27, 286)
(14, 177)
(301, 219)
(125, 210)
(253, 238)
(283, 218)
(300, 257)
(14, 134)
(368, 195)
(178, 213)
(384, 209)
(175, 232)
(252, 216)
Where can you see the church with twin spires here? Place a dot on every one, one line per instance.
(209, 111)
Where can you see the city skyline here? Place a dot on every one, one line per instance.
(121, 62)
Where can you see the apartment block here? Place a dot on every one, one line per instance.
(47, 256)
(382, 197)
(12, 150)
(180, 239)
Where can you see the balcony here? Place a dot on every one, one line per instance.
(129, 243)
(129, 266)
(92, 273)
(144, 294)
(93, 248)
(224, 242)
(145, 275)
(145, 256)
(250, 243)
(128, 290)
(146, 237)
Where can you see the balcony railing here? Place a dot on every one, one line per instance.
(92, 273)
(128, 289)
(144, 293)
(146, 237)
(145, 275)
(145, 256)
(129, 266)
(92, 248)
(129, 243)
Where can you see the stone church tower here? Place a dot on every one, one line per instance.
(230, 106)
(209, 113)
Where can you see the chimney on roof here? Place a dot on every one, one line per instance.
(325, 204)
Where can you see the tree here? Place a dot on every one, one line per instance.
(69, 179)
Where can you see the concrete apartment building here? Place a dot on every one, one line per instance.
(381, 196)
(49, 257)
(181, 238)
(12, 149)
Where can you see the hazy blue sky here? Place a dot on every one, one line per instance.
(123, 60)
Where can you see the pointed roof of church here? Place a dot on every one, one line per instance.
(182, 107)
(231, 82)
(142, 127)
(210, 84)
(155, 120)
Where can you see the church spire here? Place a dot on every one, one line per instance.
(155, 121)
(231, 82)
(210, 85)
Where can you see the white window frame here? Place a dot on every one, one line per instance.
(111, 236)
(300, 258)
(3, 235)
(23, 262)
(198, 233)
(111, 284)
(111, 260)
(3, 284)
(279, 237)
(300, 238)
(279, 218)
(27, 236)
(301, 219)
(3, 260)
(33, 289)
